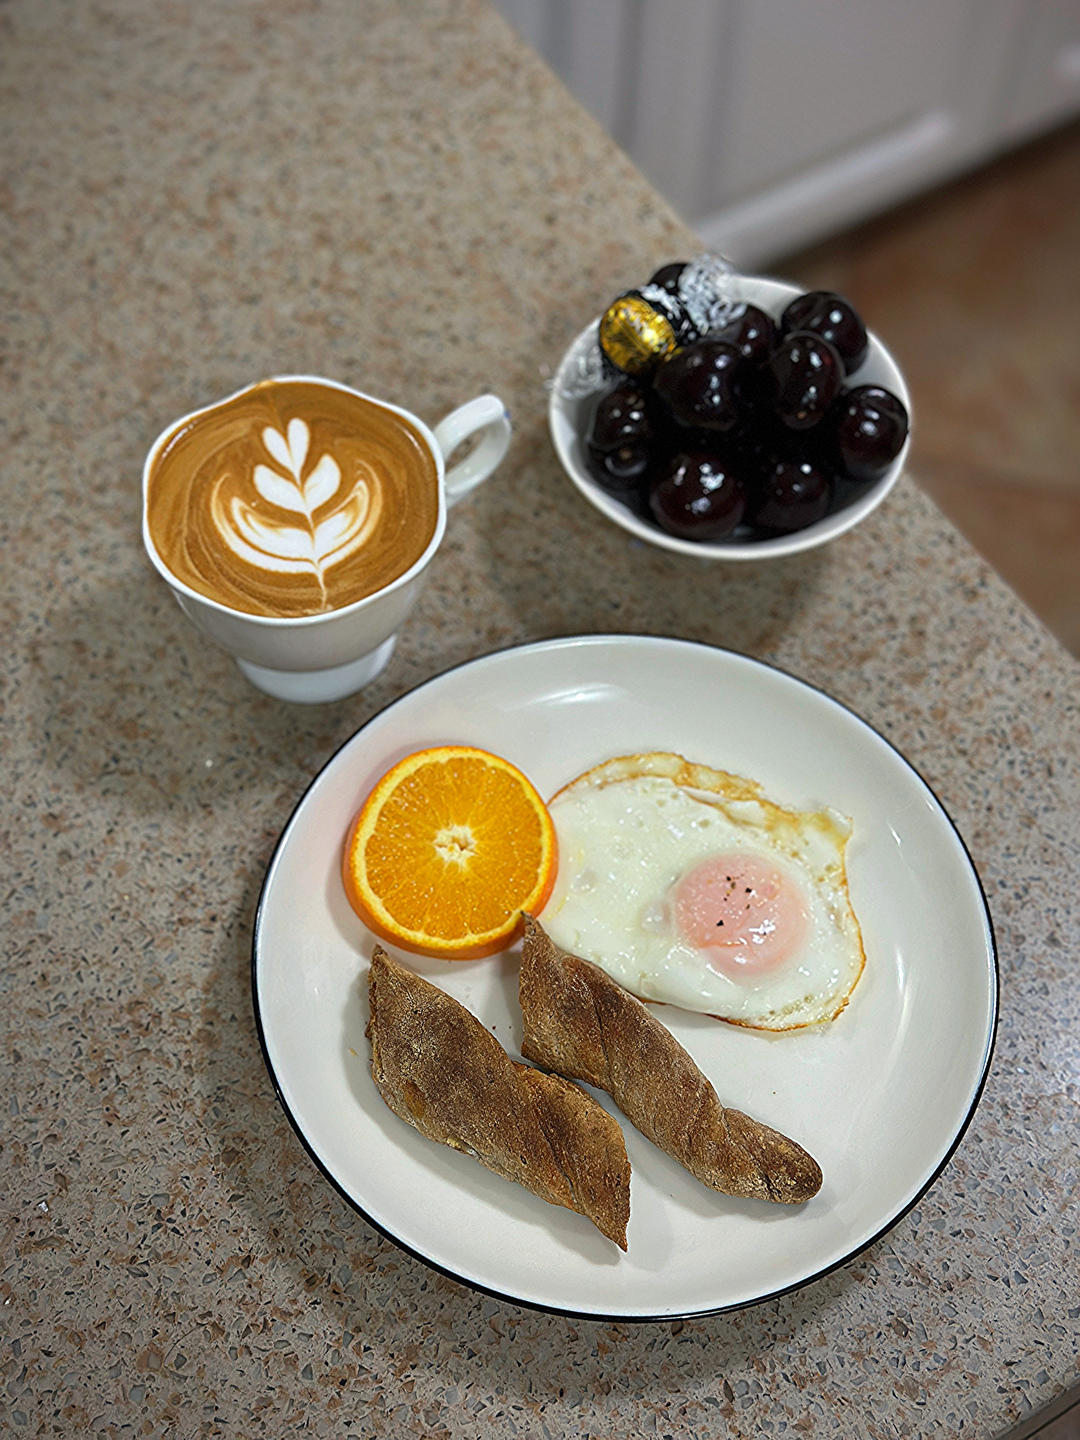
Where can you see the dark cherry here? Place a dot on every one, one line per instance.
(751, 331)
(791, 494)
(756, 447)
(807, 375)
(756, 390)
(698, 496)
(829, 315)
(622, 417)
(871, 425)
(622, 471)
(668, 276)
(700, 385)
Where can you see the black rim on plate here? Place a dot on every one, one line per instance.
(609, 1316)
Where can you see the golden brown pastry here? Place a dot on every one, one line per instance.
(581, 1023)
(440, 1070)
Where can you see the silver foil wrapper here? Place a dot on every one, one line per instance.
(707, 291)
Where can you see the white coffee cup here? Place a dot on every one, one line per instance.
(314, 658)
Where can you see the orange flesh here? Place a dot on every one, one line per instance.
(449, 848)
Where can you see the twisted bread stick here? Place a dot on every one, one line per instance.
(580, 1023)
(442, 1072)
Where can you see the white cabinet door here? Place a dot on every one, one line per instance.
(1045, 86)
(770, 123)
(803, 116)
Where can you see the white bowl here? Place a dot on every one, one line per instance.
(568, 418)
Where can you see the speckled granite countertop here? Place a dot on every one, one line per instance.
(402, 197)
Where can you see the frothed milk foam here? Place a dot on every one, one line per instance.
(292, 498)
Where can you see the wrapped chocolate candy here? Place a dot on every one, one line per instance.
(641, 327)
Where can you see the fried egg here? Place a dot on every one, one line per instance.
(688, 885)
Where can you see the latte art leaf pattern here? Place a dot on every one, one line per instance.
(303, 496)
(319, 541)
(291, 498)
(290, 453)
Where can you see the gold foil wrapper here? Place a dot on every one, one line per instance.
(634, 335)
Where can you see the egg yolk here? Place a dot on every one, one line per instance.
(745, 915)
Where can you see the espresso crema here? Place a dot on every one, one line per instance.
(292, 498)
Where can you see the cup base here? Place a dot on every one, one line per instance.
(316, 687)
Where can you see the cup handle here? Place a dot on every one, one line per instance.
(486, 412)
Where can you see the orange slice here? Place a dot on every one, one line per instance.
(448, 849)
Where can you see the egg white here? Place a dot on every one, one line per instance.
(630, 829)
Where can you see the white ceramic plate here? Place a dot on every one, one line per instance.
(567, 419)
(880, 1096)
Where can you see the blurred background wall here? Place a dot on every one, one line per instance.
(924, 159)
(771, 123)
